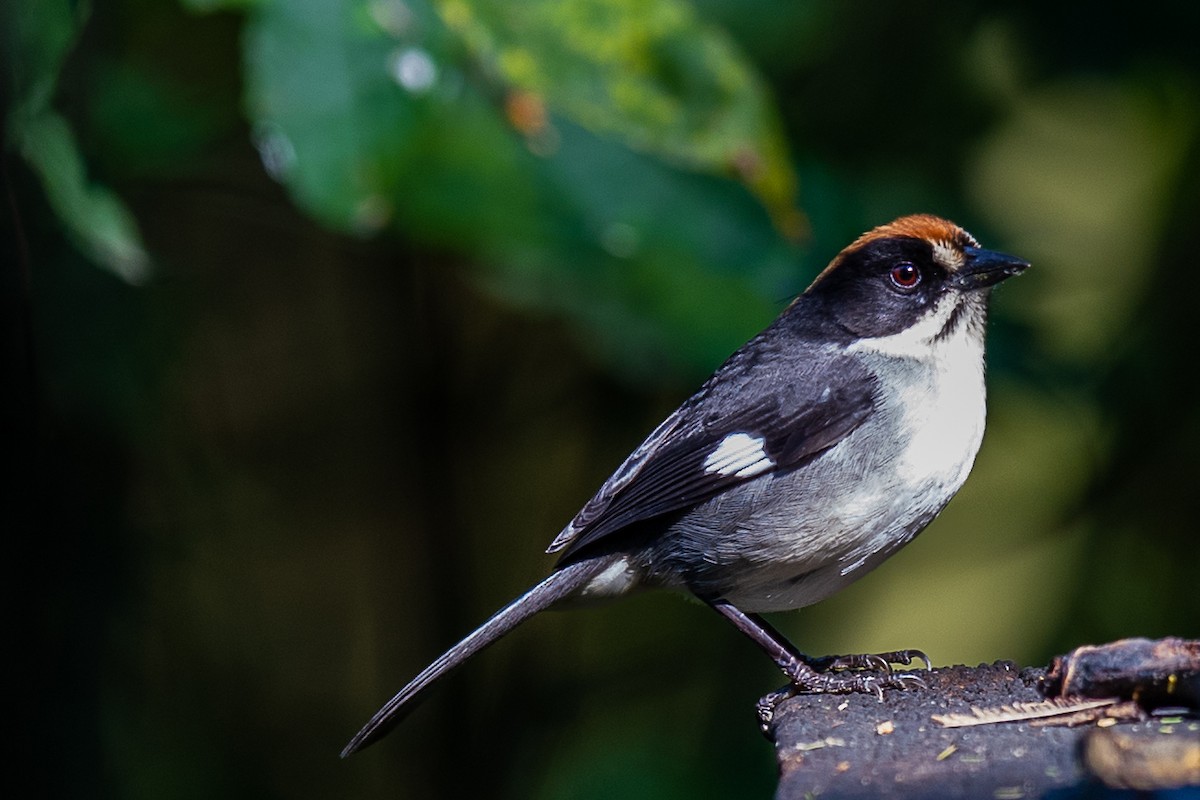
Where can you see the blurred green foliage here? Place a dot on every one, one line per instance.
(38, 37)
(325, 316)
(509, 134)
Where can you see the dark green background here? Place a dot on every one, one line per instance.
(305, 364)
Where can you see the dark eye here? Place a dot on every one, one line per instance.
(905, 276)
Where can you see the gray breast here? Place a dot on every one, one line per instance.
(789, 539)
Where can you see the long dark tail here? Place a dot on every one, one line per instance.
(561, 583)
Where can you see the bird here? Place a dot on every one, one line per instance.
(817, 450)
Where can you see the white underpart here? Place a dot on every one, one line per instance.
(740, 455)
(944, 414)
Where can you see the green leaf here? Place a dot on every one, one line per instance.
(37, 36)
(204, 6)
(95, 217)
(664, 270)
(366, 117)
(375, 117)
(40, 33)
(651, 74)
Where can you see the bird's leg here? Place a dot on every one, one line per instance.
(801, 670)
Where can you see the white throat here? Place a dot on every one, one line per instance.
(934, 372)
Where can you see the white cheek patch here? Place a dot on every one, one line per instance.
(740, 455)
(913, 342)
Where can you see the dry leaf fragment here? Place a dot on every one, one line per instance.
(1020, 712)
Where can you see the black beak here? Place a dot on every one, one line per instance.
(984, 268)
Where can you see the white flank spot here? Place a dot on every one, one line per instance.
(616, 579)
(740, 455)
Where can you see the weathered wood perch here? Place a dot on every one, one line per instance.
(932, 743)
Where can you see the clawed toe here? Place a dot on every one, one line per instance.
(869, 673)
(805, 679)
(906, 657)
(907, 680)
(881, 662)
(869, 661)
(765, 708)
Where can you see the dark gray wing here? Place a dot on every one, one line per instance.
(755, 415)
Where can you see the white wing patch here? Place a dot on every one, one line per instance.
(740, 455)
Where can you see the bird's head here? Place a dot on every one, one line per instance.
(911, 283)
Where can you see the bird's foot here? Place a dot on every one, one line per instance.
(868, 673)
(875, 661)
